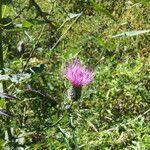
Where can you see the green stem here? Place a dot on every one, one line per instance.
(74, 137)
(3, 72)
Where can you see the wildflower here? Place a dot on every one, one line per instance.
(79, 76)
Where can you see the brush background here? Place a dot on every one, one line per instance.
(113, 111)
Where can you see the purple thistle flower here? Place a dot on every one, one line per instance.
(77, 74)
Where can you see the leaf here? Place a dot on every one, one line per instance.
(36, 69)
(131, 33)
(16, 78)
(4, 95)
(27, 24)
(99, 8)
(7, 23)
(71, 16)
(64, 132)
(4, 77)
(16, 30)
(72, 53)
(30, 22)
(4, 112)
(99, 40)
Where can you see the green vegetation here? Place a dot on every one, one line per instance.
(38, 38)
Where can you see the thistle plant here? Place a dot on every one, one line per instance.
(79, 76)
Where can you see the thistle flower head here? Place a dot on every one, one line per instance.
(77, 74)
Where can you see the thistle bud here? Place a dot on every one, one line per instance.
(21, 47)
(75, 93)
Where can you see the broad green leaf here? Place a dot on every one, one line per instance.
(27, 24)
(131, 33)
